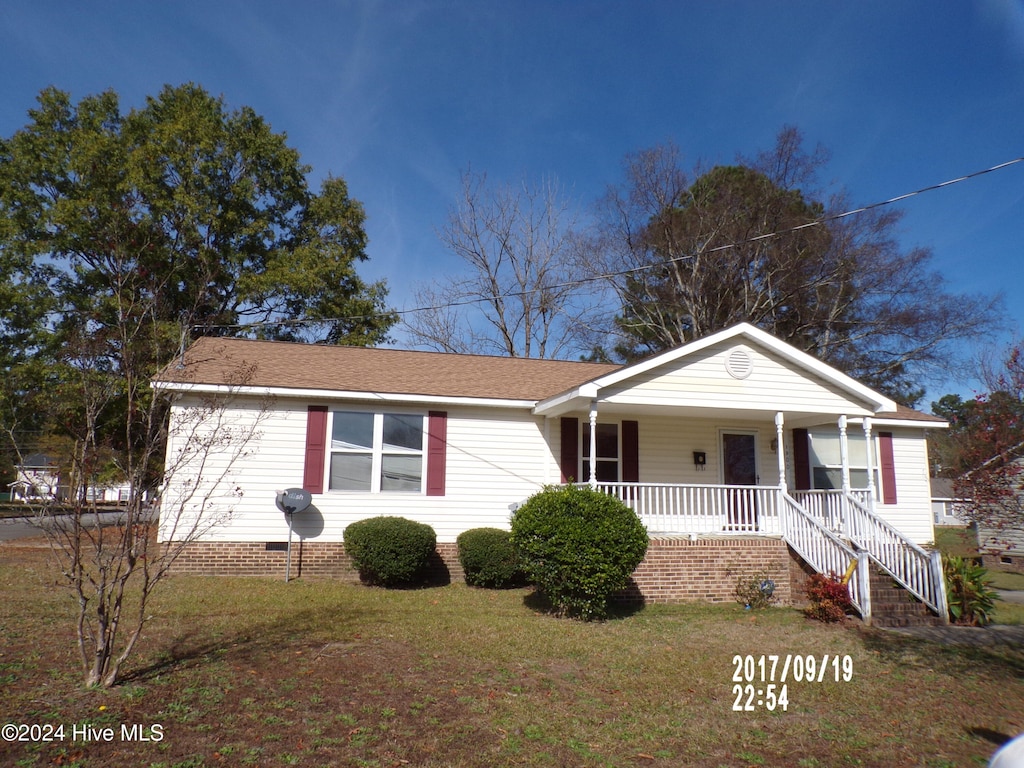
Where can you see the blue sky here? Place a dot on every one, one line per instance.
(399, 97)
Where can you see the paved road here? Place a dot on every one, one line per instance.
(1011, 596)
(14, 528)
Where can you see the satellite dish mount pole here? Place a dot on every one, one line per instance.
(288, 556)
(291, 501)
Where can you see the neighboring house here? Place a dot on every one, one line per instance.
(740, 454)
(947, 508)
(38, 478)
(1001, 534)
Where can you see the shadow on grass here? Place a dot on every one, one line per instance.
(996, 738)
(537, 602)
(999, 660)
(202, 645)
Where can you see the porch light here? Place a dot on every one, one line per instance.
(700, 460)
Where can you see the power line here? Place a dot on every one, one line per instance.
(633, 270)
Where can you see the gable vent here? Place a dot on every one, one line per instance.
(738, 364)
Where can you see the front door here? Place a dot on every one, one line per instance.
(739, 467)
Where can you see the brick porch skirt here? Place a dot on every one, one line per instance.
(675, 570)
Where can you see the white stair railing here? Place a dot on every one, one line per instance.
(918, 571)
(825, 552)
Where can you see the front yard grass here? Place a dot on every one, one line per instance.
(253, 671)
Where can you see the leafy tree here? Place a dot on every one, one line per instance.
(755, 242)
(181, 214)
(121, 237)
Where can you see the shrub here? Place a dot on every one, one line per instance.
(829, 597)
(755, 591)
(390, 551)
(578, 547)
(970, 598)
(488, 558)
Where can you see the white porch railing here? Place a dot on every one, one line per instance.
(919, 571)
(673, 508)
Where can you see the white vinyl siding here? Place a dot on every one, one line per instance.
(495, 457)
(703, 381)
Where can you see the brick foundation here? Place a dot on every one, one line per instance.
(1005, 562)
(675, 570)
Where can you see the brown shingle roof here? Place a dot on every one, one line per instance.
(389, 371)
(909, 414)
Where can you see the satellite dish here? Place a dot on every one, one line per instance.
(293, 500)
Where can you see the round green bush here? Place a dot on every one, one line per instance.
(390, 551)
(578, 547)
(488, 558)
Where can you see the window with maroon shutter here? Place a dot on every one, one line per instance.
(630, 452)
(887, 465)
(437, 452)
(801, 460)
(316, 449)
(569, 456)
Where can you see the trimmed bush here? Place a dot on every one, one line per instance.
(829, 597)
(578, 547)
(390, 551)
(488, 558)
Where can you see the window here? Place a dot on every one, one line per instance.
(827, 464)
(607, 453)
(376, 452)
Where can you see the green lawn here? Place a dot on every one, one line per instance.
(250, 671)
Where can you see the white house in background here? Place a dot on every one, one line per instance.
(737, 433)
(38, 478)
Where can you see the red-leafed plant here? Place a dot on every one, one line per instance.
(829, 598)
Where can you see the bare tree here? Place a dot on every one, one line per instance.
(107, 554)
(758, 242)
(519, 295)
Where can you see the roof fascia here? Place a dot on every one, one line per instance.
(895, 422)
(320, 394)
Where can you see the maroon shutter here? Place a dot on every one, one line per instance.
(888, 466)
(630, 452)
(569, 458)
(437, 452)
(316, 449)
(801, 460)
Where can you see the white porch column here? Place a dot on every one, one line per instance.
(844, 454)
(593, 444)
(870, 448)
(780, 450)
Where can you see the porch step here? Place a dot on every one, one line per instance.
(893, 606)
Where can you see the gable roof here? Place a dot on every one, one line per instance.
(876, 402)
(274, 365)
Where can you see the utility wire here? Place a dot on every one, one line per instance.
(633, 270)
